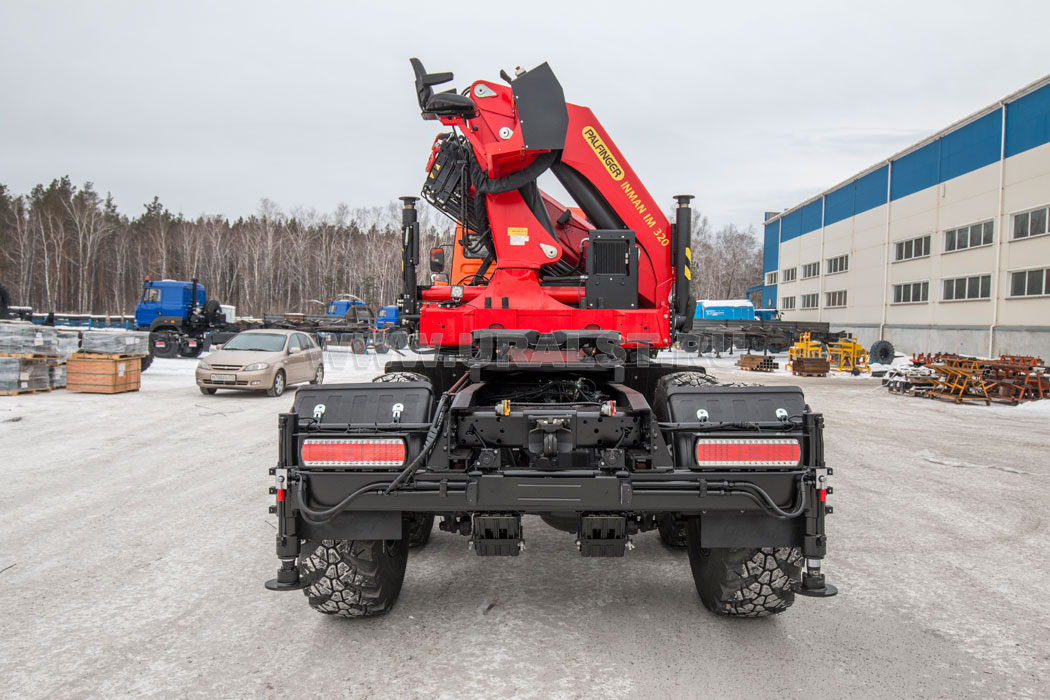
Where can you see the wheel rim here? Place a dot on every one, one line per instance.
(319, 375)
(278, 383)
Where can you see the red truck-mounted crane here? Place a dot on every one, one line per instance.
(541, 397)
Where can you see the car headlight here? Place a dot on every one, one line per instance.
(255, 367)
(203, 365)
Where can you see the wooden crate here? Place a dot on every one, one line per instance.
(98, 374)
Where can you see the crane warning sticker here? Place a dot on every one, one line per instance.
(603, 153)
(518, 236)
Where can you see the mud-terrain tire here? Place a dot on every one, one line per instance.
(192, 352)
(358, 346)
(354, 578)
(279, 384)
(672, 532)
(743, 582)
(145, 361)
(881, 352)
(682, 379)
(381, 348)
(399, 340)
(400, 377)
(419, 527)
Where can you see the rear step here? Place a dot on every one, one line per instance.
(603, 536)
(497, 535)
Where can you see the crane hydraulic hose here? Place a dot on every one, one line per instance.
(483, 184)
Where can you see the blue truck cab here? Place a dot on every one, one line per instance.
(166, 299)
(339, 307)
(388, 317)
(767, 314)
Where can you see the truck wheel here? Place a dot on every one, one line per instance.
(401, 377)
(192, 352)
(882, 352)
(419, 526)
(318, 375)
(743, 582)
(277, 388)
(399, 340)
(672, 531)
(354, 578)
(357, 345)
(164, 344)
(382, 348)
(145, 361)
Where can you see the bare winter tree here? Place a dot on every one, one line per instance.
(69, 250)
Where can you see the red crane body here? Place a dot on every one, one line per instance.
(508, 134)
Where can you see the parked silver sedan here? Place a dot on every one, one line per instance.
(262, 360)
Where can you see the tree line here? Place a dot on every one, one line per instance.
(68, 249)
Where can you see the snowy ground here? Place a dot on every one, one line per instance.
(136, 541)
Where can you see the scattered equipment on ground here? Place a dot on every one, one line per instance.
(541, 398)
(959, 378)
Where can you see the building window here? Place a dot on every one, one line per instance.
(771, 278)
(810, 270)
(972, 236)
(1030, 283)
(911, 293)
(788, 275)
(835, 299)
(962, 288)
(839, 264)
(913, 248)
(1030, 223)
(787, 303)
(809, 301)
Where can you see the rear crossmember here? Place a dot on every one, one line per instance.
(603, 471)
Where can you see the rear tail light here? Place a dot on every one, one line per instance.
(738, 452)
(352, 452)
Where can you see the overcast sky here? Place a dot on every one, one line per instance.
(748, 105)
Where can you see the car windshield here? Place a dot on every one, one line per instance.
(262, 342)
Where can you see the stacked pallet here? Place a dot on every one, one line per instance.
(25, 350)
(122, 343)
(108, 362)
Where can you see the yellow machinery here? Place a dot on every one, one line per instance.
(808, 357)
(847, 355)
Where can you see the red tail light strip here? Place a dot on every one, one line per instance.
(374, 452)
(777, 452)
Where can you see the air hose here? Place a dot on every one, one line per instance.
(318, 517)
